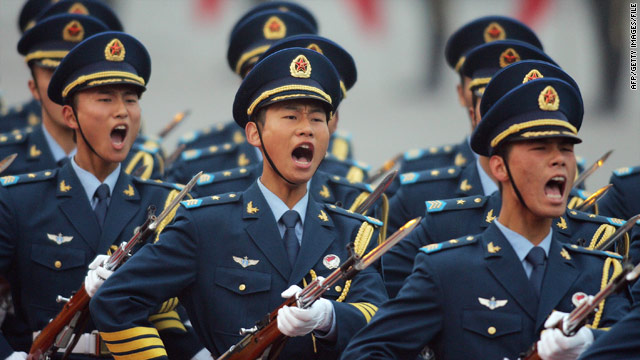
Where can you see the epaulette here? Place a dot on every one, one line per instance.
(358, 164)
(469, 202)
(355, 184)
(416, 154)
(218, 176)
(580, 249)
(448, 172)
(148, 147)
(342, 135)
(583, 216)
(158, 182)
(582, 194)
(461, 241)
(580, 161)
(339, 210)
(16, 136)
(211, 200)
(27, 178)
(194, 154)
(626, 171)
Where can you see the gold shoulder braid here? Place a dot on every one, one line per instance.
(358, 201)
(147, 159)
(172, 195)
(384, 216)
(617, 269)
(603, 233)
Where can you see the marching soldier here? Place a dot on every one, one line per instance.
(89, 204)
(515, 272)
(230, 257)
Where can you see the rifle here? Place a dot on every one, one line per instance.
(75, 312)
(265, 333)
(589, 202)
(390, 164)
(377, 192)
(177, 119)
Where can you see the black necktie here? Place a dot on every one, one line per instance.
(102, 194)
(537, 259)
(63, 161)
(291, 244)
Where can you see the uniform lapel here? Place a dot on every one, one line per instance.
(263, 230)
(469, 181)
(505, 266)
(123, 206)
(75, 205)
(320, 188)
(316, 238)
(491, 210)
(38, 149)
(559, 275)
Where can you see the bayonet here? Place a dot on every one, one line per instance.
(618, 234)
(585, 174)
(7, 161)
(593, 198)
(391, 164)
(177, 119)
(377, 192)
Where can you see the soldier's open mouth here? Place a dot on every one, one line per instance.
(555, 187)
(118, 134)
(303, 154)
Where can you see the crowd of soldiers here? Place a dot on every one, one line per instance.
(508, 245)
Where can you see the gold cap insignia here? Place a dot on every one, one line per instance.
(494, 32)
(509, 57)
(274, 28)
(78, 8)
(548, 99)
(73, 31)
(251, 209)
(314, 47)
(532, 75)
(300, 67)
(114, 51)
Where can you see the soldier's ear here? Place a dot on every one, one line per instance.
(33, 87)
(251, 132)
(460, 94)
(498, 168)
(69, 117)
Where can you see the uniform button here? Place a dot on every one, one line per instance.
(338, 288)
(491, 330)
(242, 287)
(57, 264)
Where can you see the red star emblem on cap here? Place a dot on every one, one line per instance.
(532, 76)
(74, 30)
(301, 65)
(510, 57)
(494, 32)
(274, 26)
(549, 97)
(115, 49)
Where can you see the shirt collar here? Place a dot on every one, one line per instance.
(56, 150)
(488, 185)
(90, 182)
(278, 207)
(522, 245)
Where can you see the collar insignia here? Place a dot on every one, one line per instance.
(565, 254)
(243, 160)
(114, 51)
(331, 261)
(323, 216)
(532, 75)
(300, 67)
(59, 239)
(490, 216)
(492, 303)
(73, 32)
(34, 152)
(251, 209)
(78, 8)
(129, 191)
(245, 262)
(238, 137)
(325, 192)
(494, 32)
(509, 57)
(274, 29)
(64, 187)
(493, 249)
(548, 99)
(459, 160)
(562, 224)
(465, 185)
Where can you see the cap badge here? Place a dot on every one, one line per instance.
(509, 57)
(274, 28)
(331, 261)
(314, 47)
(548, 99)
(114, 51)
(532, 75)
(78, 8)
(73, 32)
(300, 67)
(494, 32)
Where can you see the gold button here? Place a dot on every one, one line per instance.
(491, 330)
(242, 287)
(57, 264)
(338, 288)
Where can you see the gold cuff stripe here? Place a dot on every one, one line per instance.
(103, 74)
(280, 89)
(147, 160)
(529, 124)
(42, 54)
(366, 311)
(165, 316)
(248, 55)
(169, 324)
(134, 345)
(372, 308)
(129, 333)
(479, 82)
(147, 354)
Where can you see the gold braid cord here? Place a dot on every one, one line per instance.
(172, 195)
(358, 201)
(574, 202)
(147, 159)
(617, 269)
(384, 212)
(363, 238)
(603, 233)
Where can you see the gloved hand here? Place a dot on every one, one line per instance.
(97, 275)
(554, 345)
(17, 355)
(293, 321)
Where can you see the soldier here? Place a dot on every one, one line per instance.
(230, 257)
(514, 273)
(89, 204)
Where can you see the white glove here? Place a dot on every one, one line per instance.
(293, 321)
(203, 354)
(554, 345)
(97, 275)
(17, 355)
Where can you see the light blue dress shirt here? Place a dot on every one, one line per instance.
(90, 182)
(56, 149)
(522, 245)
